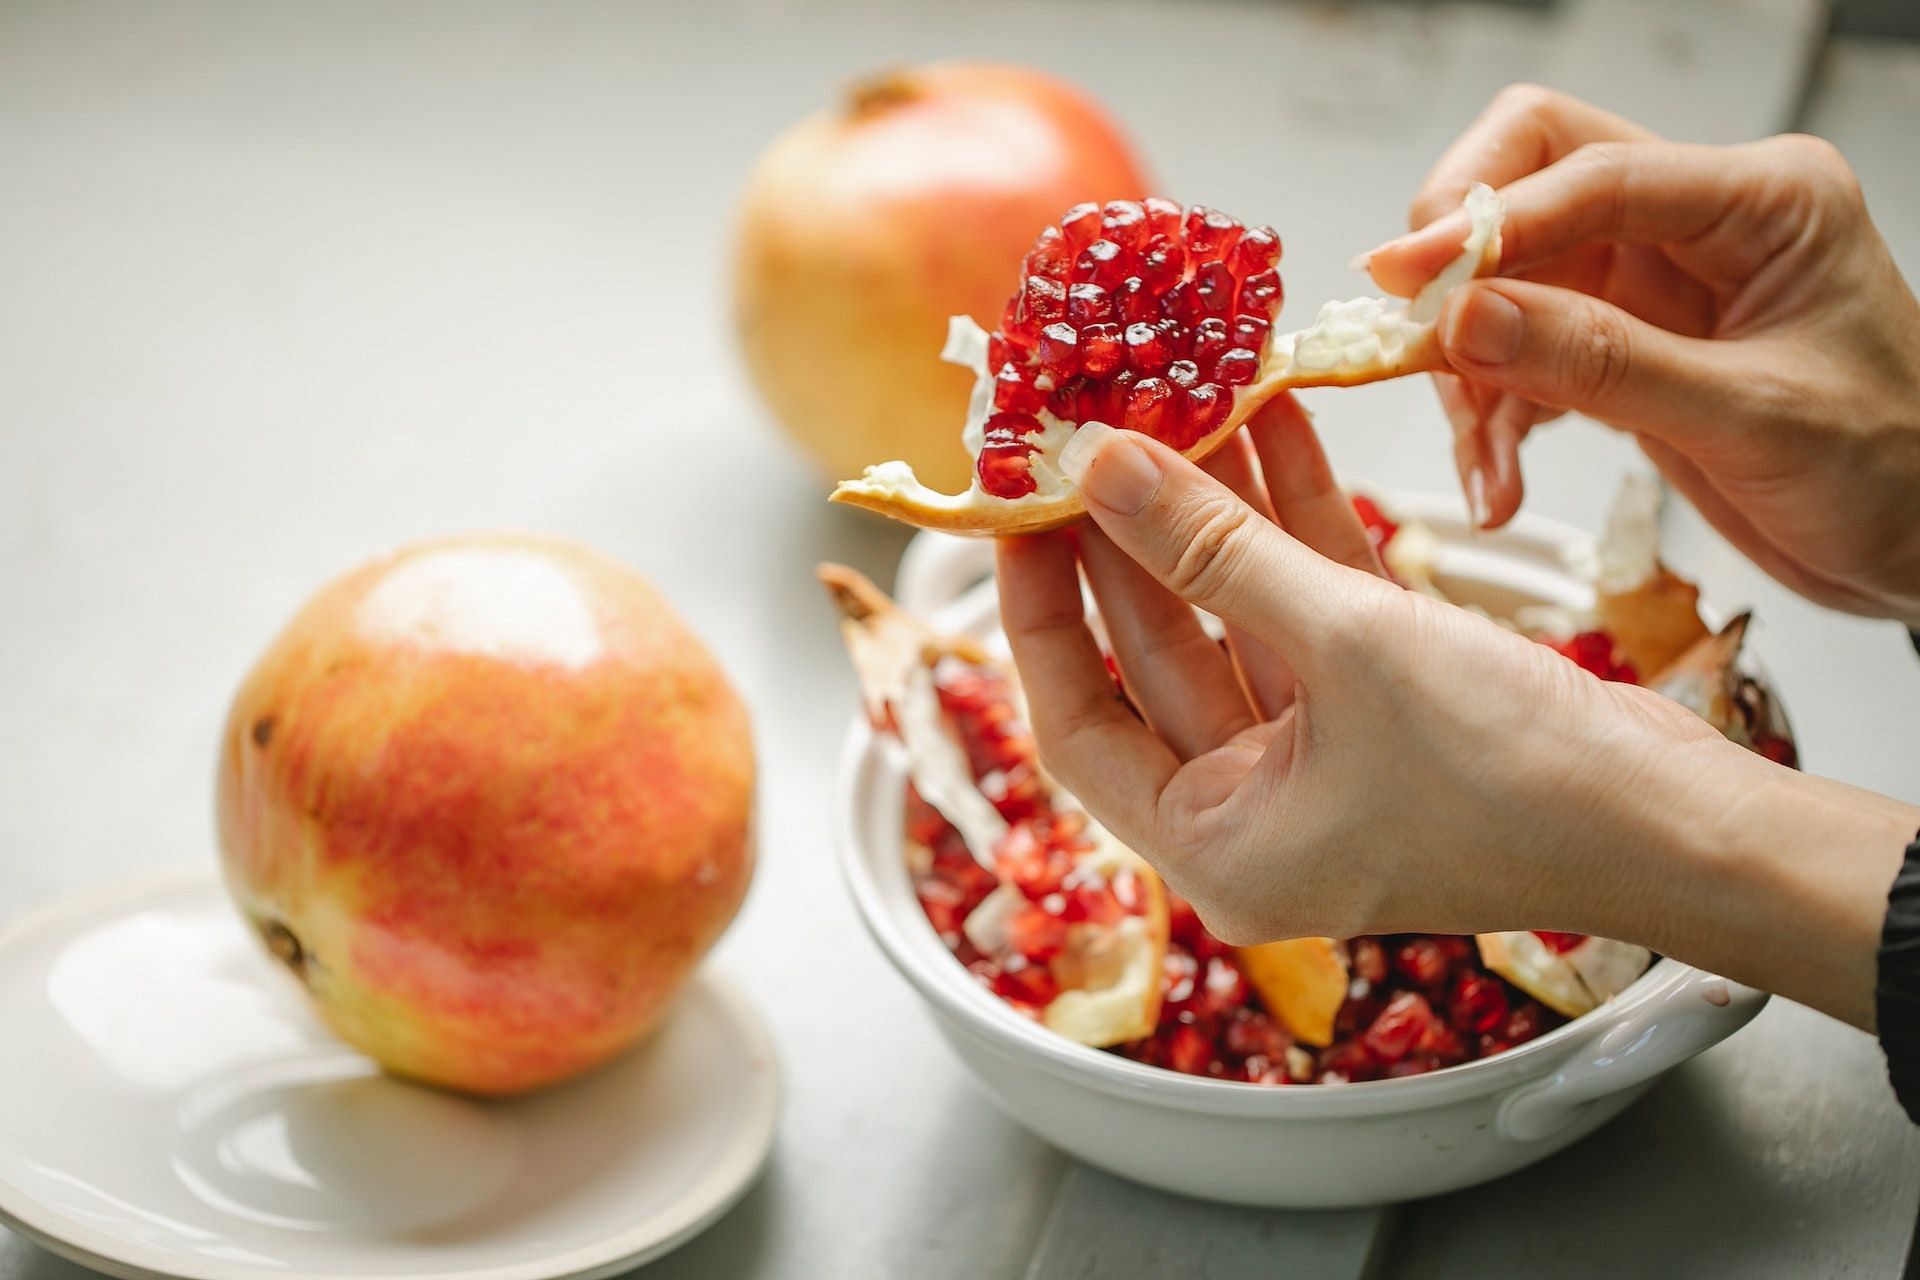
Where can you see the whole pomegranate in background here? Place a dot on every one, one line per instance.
(490, 801)
(864, 228)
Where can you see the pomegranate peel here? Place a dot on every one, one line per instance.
(1349, 343)
(1303, 982)
(1098, 980)
(1570, 982)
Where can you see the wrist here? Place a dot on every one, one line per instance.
(1766, 875)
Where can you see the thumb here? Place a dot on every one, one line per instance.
(1570, 350)
(1207, 546)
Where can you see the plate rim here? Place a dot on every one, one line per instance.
(708, 1199)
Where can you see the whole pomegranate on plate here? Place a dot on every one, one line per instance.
(490, 802)
(864, 228)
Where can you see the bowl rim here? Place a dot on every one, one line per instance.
(1534, 549)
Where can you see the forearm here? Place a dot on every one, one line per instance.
(1771, 877)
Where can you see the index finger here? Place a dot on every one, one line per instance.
(1523, 130)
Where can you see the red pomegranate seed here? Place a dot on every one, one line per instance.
(1042, 301)
(1183, 373)
(1013, 390)
(1178, 972)
(1148, 405)
(1087, 903)
(1189, 1050)
(1260, 294)
(1067, 401)
(1380, 530)
(1031, 984)
(1210, 341)
(1134, 302)
(1259, 249)
(1179, 303)
(1002, 351)
(1421, 962)
(1003, 466)
(1037, 934)
(1369, 960)
(1560, 943)
(1163, 216)
(1224, 987)
(1250, 332)
(1778, 750)
(1080, 225)
(1415, 1065)
(1249, 1032)
(1163, 265)
(1108, 402)
(1125, 223)
(1346, 1060)
(1059, 350)
(1209, 405)
(1050, 256)
(1088, 304)
(1214, 288)
(1210, 233)
(1024, 859)
(1479, 1003)
(1490, 1045)
(1443, 1042)
(1523, 1024)
(1100, 263)
(1102, 349)
(1237, 368)
(1148, 350)
(1401, 1024)
(1456, 949)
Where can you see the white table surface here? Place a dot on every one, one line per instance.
(282, 285)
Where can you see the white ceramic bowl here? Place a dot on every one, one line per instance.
(1304, 1146)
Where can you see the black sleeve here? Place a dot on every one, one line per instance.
(1897, 994)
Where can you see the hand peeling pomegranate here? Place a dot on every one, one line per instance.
(1159, 319)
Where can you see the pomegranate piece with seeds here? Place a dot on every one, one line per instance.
(1146, 315)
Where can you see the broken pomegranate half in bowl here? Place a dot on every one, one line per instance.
(1307, 1073)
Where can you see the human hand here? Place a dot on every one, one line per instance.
(1365, 759)
(1733, 308)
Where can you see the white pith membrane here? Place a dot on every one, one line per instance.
(1109, 974)
(1348, 343)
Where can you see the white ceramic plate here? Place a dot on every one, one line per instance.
(170, 1107)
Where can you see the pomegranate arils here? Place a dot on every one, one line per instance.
(1479, 1003)
(1148, 350)
(1180, 303)
(1163, 216)
(1211, 233)
(1560, 943)
(1369, 960)
(1014, 391)
(1125, 223)
(1214, 288)
(1163, 264)
(1037, 934)
(1050, 255)
(1134, 302)
(1003, 465)
(1042, 300)
(1190, 1050)
(1209, 405)
(1399, 1026)
(1595, 651)
(1088, 304)
(1211, 340)
(1260, 293)
(1259, 249)
(1183, 373)
(1237, 367)
(1080, 225)
(1250, 332)
(1421, 962)
(1380, 530)
(1031, 985)
(1100, 263)
(1102, 349)
(1059, 350)
(1148, 405)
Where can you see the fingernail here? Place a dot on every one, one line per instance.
(1111, 470)
(1477, 498)
(1362, 260)
(1486, 327)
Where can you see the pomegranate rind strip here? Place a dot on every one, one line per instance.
(890, 489)
(1303, 982)
(1571, 982)
(888, 647)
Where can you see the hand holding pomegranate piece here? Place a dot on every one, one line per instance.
(489, 802)
(1365, 758)
(1160, 319)
(1734, 308)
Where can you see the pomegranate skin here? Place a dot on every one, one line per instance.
(490, 802)
(863, 229)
